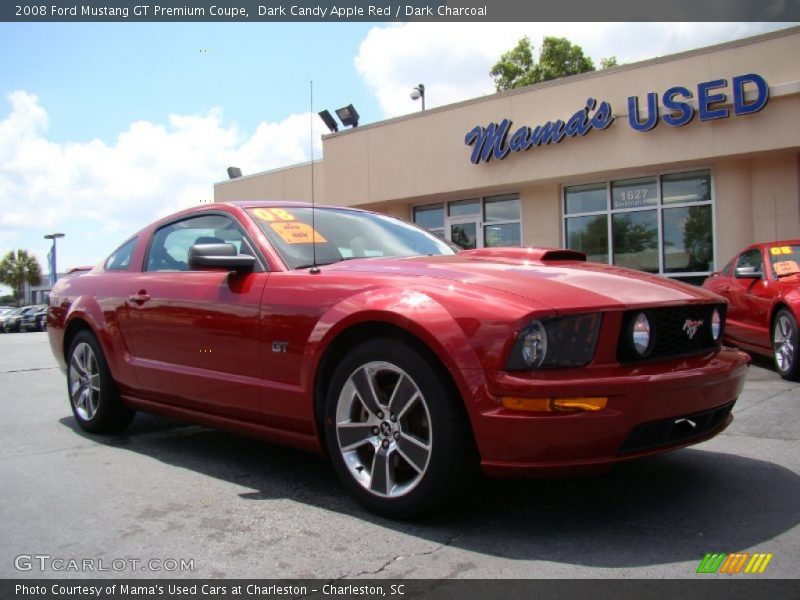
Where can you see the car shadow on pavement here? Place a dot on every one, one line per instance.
(670, 508)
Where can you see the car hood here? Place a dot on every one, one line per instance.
(566, 285)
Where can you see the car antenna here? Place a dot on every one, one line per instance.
(314, 268)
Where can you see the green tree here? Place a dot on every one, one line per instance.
(607, 63)
(558, 58)
(18, 268)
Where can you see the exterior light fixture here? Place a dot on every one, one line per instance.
(329, 121)
(419, 93)
(51, 257)
(234, 172)
(348, 116)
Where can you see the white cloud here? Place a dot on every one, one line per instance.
(110, 190)
(453, 59)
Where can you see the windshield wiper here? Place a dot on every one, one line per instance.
(325, 264)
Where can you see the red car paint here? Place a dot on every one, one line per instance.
(198, 345)
(753, 303)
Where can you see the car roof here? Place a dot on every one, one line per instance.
(794, 242)
(281, 203)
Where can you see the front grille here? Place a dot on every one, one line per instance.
(670, 328)
(675, 430)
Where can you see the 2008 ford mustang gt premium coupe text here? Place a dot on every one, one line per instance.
(408, 363)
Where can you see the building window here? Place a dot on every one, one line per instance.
(476, 222)
(431, 217)
(660, 224)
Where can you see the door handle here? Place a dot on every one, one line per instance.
(139, 298)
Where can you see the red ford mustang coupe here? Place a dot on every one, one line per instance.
(762, 285)
(408, 363)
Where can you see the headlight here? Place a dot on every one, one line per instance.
(716, 325)
(556, 342)
(640, 334)
(534, 345)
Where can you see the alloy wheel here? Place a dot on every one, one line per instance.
(783, 343)
(84, 381)
(383, 429)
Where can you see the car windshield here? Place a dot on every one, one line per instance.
(785, 260)
(342, 234)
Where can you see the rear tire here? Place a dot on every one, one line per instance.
(785, 345)
(397, 432)
(93, 395)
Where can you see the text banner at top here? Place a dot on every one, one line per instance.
(392, 10)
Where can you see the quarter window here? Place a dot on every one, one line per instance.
(120, 259)
(659, 224)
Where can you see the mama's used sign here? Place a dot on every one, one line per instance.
(497, 140)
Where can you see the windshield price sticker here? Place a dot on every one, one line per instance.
(272, 215)
(778, 250)
(297, 233)
(786, 267)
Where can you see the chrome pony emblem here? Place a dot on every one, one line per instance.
(690, 327)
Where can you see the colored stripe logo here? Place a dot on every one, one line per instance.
(738, 562)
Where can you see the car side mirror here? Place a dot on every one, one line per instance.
(747, 273)
(220, 256)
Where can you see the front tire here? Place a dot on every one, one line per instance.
(93, 395)
(396, 432)
(785, 345)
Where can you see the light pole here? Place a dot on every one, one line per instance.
(417, 93)
(51, 257)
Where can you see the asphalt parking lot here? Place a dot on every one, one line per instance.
(239, 508)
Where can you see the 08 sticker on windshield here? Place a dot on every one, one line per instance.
(273, 215)
(296, 233)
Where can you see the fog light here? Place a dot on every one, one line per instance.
(641, 334)
(716, 325)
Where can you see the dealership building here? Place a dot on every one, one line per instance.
(670, 165)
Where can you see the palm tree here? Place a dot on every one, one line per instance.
(18, 268)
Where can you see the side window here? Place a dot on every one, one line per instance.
(120, 259)
(751, 258)
(169, 248)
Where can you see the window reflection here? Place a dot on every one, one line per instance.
(688, 239)
(589, 235)
(636, 240)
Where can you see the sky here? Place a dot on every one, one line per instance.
(106, 127)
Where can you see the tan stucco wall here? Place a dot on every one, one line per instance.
(291, 183)
(775, 198)
(733, 207)
(541, 215)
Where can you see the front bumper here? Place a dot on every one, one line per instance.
(651, 408)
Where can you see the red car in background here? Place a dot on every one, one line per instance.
(762, 285)
(408, 363)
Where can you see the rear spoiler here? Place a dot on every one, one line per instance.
(75, 270)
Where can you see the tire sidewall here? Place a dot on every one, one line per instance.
(442, 465)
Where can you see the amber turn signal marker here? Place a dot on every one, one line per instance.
(554, 404)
